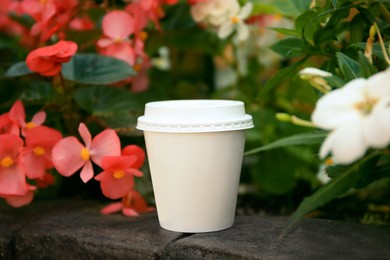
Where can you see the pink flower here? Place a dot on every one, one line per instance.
(117, 27)
(138, 152)
(12, 172)
(117, 178)
(7, 126)
(37, 153)
(18, 115)
(46, 181)
(21, 200)
(48, 60)
(131, 205)
(69, 155)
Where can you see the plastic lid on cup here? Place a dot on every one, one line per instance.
(194, 116)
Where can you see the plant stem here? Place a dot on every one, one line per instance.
(382, 45)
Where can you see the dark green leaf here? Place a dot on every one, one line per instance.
(338, 186)
(114, 107)
(96, 69)
(18, 69)
(38, 91)
(286, 73)
(289, 48)
(349, 67)
(367, 69)
(286, 31)
(300, 139)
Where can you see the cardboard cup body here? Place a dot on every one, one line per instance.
(195, 150)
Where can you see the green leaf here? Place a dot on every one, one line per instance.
(96, 69)
(349, 67)
(376, 48)
(299, 139)
(283, 74)
(113, 107)
(18, 69)
(286, 7)
(338, 186)
(289, 48)
(367, 69)
(285, 31)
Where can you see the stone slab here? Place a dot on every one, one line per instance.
(86, 234)
(76, 230)
(254, 237)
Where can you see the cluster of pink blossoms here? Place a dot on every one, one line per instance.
(29, 150)
(49, 16)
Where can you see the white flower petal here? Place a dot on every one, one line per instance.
(348, 144)
(340, 106)
(245, 11)
(327, 145)
(315, 72)
(225, 30)
(378, 84)
(242, 31)
(198, 13)
(377, 126)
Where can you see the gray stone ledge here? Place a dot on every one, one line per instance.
(75, 229)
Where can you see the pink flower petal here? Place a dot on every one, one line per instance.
(66, 156)
(123, 51)
(136, 151)
(129, 212)
(12, 180)
(87, 172)
(103, 175)
(20, 201)
(39, 118)
(17, 114)
(112, 208)
(10, 145)
(117, 163)
(118, 24)
(35, 166)
(114, 188)
(134, 172)
(104, 42)
(85, 135)
(106, 143)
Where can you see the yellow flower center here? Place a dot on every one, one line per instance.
(117, 39)
(30, 125)
(39, 151)
(143, 35)
(119, 174)
(43, 1)
(7, 162)
(84, 154)
(137, 67)
(366, 106)
(234, 19)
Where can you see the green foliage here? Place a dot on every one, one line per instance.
(96, 69)
(18, 69)
(113, 107)
(300, 139)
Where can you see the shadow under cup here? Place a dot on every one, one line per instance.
(195, 150)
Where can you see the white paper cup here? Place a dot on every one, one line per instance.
(195, 150)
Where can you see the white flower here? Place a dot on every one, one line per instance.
(315, 72)
(214, 12)
(358, 115)
(236, 22)
(162, 62)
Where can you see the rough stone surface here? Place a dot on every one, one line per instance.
(76, 230)
(254, 237)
